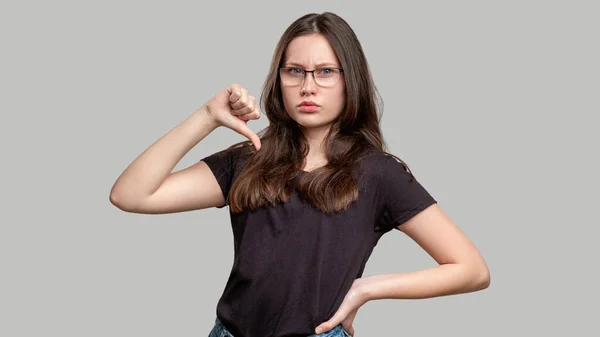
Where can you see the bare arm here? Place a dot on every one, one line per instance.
(461, 268)
(148, 186)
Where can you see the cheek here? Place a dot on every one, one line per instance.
(287, 96)
(288, 103)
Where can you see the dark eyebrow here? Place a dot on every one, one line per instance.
(330, 64)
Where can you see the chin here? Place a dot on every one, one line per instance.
(311, 120)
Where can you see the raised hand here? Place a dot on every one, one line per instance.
(233, 107)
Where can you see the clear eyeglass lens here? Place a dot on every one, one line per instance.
(324, 76)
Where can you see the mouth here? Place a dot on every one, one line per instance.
(308, 103)
(308, 106)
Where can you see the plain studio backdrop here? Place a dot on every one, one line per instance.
(493, 105)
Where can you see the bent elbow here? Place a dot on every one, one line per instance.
(483, 279)
(120, 202)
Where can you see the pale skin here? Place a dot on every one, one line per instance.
(149, 186)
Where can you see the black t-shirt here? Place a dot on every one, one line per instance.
(293, 264)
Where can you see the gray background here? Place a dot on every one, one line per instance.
(494, 106)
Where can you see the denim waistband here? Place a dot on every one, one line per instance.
(219, 330)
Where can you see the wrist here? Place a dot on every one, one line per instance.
(361, 292)
(206, 118)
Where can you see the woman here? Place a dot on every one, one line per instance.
(308, 199)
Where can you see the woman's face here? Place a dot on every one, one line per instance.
(310, 52)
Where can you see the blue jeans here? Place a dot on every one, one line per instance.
(220, 331)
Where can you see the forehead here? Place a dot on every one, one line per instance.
(310, 50)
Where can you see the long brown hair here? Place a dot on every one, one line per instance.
(270, 175)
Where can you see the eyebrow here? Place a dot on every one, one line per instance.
(318, 65)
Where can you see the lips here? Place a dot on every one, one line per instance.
(308, 108)
(308, 103)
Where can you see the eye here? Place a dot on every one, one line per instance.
(326, 71)
(295, 71)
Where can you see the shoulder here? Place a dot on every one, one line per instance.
(379, 164)
(235, 151)
(230, 158)
(240, 149)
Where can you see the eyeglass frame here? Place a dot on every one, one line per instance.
(313, 74)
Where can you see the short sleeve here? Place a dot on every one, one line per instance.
(225, 165)
(401, 196)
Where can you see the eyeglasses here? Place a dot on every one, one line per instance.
(324, 77)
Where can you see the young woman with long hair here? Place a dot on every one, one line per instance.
(309, 196)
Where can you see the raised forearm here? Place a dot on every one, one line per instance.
(146, 173)
(445, 279)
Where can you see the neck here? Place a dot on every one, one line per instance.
(316, 155)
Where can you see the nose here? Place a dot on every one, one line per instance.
(308, 84)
